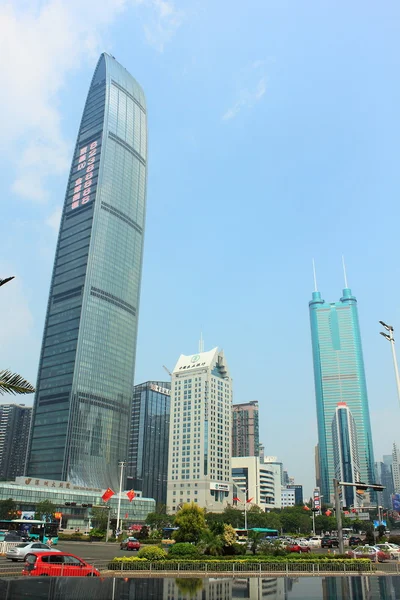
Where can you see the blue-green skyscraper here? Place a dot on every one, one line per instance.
(80, 423)
(339, 377)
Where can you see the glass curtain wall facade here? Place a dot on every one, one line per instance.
(15, 421)
(345, 452)
(339, 377)
(148, 449)
(80, 425)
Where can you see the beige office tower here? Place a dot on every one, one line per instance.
(199, 468)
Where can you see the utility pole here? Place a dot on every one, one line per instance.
(338, 516)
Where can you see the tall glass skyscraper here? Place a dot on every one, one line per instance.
(148, 448)
(80, 425)
(339, 377)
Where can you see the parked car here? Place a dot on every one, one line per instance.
(297, 548)
(371, 552)
(355, 540)
(19, 552)
(57, 564)
(314, 542)
(329, 542)
(131, 543)
(392, 549)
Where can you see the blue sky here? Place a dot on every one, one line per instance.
(274, 137)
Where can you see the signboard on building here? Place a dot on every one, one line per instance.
(220, 487)
(160, 390)
(317, 500)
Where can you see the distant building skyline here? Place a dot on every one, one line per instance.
(339, 376)
(245, 429)
(149, 439)
(81, 414)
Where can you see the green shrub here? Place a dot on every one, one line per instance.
(152, 553)
(234, 550)
(183, 550)
(394, 539)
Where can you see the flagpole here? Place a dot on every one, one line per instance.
(121, 465)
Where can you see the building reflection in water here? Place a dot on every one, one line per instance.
(191, 588)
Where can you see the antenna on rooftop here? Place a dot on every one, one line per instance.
(201, 343)
(344, 272)
(315, 276)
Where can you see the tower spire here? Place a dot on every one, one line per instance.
(315, 276)
(344, 273)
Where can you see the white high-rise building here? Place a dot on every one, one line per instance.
(396, 468)
(199, 468)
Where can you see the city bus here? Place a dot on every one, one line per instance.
(34, 529)
(243, 534)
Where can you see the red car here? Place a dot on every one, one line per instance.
(297, 548)
(131, 543)
(57, 564)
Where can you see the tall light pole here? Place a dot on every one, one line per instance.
(121, 465)
(389, 336)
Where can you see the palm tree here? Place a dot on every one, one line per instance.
(210, 543)
(12, 383)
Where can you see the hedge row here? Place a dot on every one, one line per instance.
(136, 563)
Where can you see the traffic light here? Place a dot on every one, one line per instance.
(361, 486)
(87, 505)
(70, 503)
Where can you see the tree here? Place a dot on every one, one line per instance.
(255, 540)
(45, 511)
(255, 517)
(99, 518)
(8, 509)
(159, 518)
(228, 535)
(273, 521)
(233, 516)
(12, 383)
(191, 522)
(211, 543)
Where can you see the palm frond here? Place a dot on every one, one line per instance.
(6, 280)
(12, 383)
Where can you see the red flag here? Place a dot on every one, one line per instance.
(346, 512)
(249, 500)
(236, 499)
(328, 513)
(108, 494)
(353, 510)
(306, 507)
(131, 494)
(126, 515)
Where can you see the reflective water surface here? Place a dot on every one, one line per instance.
(253, 588)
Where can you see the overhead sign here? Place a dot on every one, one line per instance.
(362, 516)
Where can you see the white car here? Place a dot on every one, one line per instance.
(19, 552)
(392, 549)
(314, 542)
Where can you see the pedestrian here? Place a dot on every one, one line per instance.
(49, 542)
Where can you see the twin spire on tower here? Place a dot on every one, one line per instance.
(344, 275)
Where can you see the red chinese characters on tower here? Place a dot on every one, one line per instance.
(83, 185)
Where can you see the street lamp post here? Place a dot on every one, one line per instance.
(390, 337)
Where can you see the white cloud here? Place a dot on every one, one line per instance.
(41, 43)
(251, 93)
(54, 219)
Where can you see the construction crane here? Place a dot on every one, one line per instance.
(168, 371)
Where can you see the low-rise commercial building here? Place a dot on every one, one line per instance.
(27, 492)
(259, 479)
